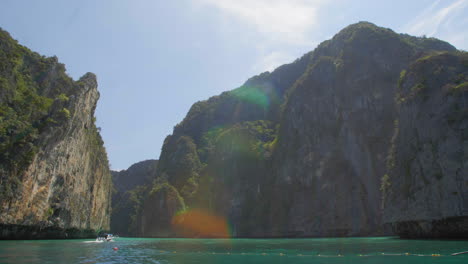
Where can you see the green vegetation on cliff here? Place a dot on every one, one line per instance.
(29, 101)
(425, 192)
(130, 186)
(296, 152)
(54, 172)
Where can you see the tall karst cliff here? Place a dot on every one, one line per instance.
(296, 152)
(426, 189)
(129, 187)
(54, 173)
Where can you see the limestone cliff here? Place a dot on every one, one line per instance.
(426, 189)
(297, 152)
(129, 185)
(54, 173)
(336, 129)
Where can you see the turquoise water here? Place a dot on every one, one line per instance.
(210, 251)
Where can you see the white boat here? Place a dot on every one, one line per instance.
(105, 238)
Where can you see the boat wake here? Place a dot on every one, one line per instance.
(94, 241)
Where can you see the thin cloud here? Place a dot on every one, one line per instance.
(287, 21)
(271, 61)
(442, 19)
(274, 27)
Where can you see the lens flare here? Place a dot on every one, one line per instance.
(253, 95)
(200, 223)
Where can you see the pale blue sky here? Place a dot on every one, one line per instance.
(155, 58)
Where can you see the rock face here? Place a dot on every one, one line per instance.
(54, 173)
(297, 152)
(426, 189)
(160, 205)
(140, 173)
(129, 185)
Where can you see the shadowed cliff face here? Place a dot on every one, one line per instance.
(335, 133)
(129, 186)
(54, 168)
(426, 189)
(296, 152)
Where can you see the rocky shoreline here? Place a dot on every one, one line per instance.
(21, 232)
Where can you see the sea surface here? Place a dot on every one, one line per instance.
(210, 251)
